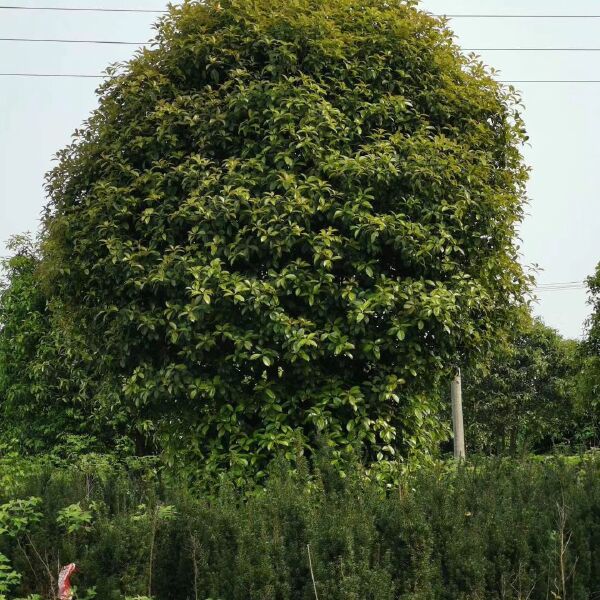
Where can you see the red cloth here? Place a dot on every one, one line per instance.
(64, 582)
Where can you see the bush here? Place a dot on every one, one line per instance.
(498, 529)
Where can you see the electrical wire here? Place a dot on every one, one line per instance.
(79, 9)
(531, 49)
(159, 11)
(91, 76)
(578, 282)
(127, 43)
(50, 75)
(516, 16)
(560, 287)
(513, 81)
(70, 41)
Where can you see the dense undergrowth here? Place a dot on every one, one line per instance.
(495, 529)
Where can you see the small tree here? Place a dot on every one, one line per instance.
(589, 382)
(41, 359)
(288, 219)
(525, 399)
(23, 325)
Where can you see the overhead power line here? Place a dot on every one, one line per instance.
(70, 41)
(553, 287)
(50, 75)
(131, 43)
(78, 9)
(159, 11)
(555, 283)
(531, 49)
(96, 76)
(162, 11)
(549, 81)
(128, 43)
(559, 287)
(517, 16)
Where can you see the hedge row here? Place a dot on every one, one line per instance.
(501, 529)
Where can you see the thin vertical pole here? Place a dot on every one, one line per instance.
(312, 572)
(457, 416)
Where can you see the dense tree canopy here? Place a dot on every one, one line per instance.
(285, 219)
(526, 398)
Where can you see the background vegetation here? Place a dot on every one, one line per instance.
(495, 529)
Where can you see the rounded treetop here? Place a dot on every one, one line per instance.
(288, 220)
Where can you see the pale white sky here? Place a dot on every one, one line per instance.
(561, 233)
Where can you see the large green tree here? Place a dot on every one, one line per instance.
(287, 220)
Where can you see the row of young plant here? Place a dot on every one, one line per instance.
(496, 529)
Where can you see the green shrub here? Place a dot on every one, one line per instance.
(494, 530)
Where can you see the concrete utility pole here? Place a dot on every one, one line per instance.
(457, 416)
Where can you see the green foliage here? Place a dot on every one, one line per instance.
(8, 577)
(284, 220)
(502, 529)
(17, 516)
(73, 518)
(39, 365)
(24, 324)
(593, 333)
(525, 400)
(590, 374)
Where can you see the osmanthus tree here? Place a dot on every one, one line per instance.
(288, 219)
